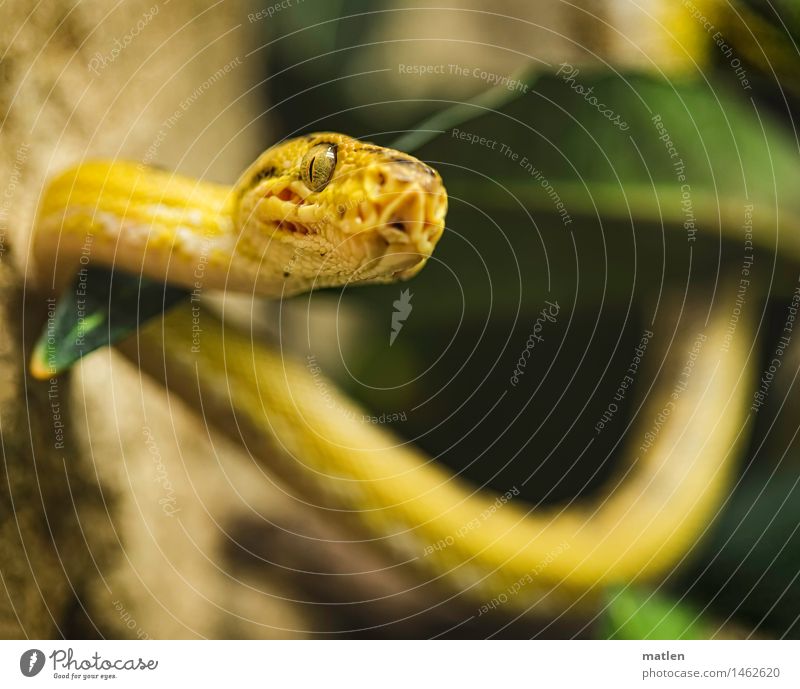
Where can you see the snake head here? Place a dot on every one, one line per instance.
(327, 210)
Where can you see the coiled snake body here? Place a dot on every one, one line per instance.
(327, 210)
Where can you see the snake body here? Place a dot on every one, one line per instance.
(363, 213)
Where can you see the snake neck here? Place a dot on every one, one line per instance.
(139, 219)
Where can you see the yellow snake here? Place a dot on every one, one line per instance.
(324, 210)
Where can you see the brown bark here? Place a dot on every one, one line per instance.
(87, 544)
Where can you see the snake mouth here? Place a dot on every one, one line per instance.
(412, 217)
(385, 238)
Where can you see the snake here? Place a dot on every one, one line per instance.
(327, 210)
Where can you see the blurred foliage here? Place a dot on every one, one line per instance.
(635, 613)
(749, 566)
(101, 307)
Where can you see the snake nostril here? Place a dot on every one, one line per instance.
(407, 212)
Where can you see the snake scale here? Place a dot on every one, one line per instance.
(327, 210)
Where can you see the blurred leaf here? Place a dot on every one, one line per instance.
(635, 221)
(633, 613)
(99, 309)
(730, 154)
(459, 114)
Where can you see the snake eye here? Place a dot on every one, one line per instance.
(318, 165)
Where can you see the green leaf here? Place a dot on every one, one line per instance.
(633, 613)
(99, 309)
(663, 200)
(725, 153)
(461, 113)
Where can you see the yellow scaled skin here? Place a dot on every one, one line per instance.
(378, 219)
